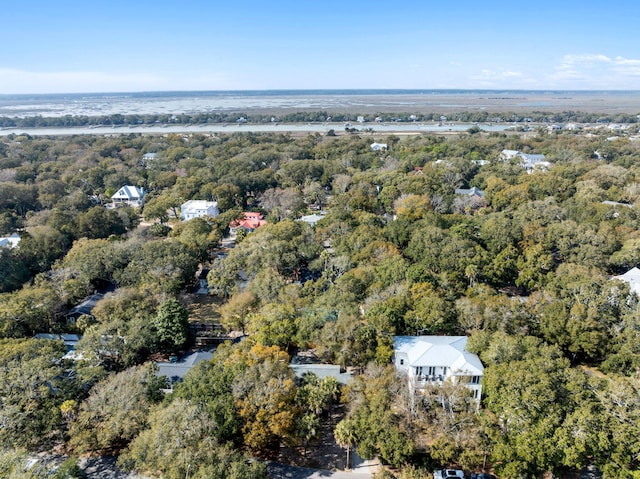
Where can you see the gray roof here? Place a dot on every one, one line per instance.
(86, 306)
(70, 340)
(322, 371)
(470, 191)
(177, 371)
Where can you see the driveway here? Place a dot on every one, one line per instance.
(283, 471)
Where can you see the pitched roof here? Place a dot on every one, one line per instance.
(10, 241)
(311, 219)
(86, 306)
(632, 277)
(178, 370)
(198, 205)
(470, 191)
(129, 192)
(252, 220)
(446, 351)
(322, 371)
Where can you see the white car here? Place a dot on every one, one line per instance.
(448, 474)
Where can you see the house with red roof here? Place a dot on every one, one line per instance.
(252, 221)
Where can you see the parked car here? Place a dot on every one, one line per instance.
(448, 474)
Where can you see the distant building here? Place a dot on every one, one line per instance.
(435, 359)
(322, 371)
(129, 195)
(83, 309)
(474, 197)
(148, 159)
(10, 241)
(175, 371)
(378, 146)
(251, 222)
(528, 161)
(70, 340)
(198, 208)
(470, 192)
(311, 220)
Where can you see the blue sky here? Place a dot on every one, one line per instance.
(63, 46)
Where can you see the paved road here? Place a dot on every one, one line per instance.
(283, 471)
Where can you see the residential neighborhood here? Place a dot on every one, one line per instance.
(435, 308)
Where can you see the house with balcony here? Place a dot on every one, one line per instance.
(128, 195)
(436, 359)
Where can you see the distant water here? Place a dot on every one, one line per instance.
(193, 102)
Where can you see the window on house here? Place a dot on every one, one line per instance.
(475, 379)
(432, 370)
(401, 362)
(475, 394)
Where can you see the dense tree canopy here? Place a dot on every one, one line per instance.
(525, 272)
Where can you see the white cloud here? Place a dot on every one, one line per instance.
(595, 71)
(573, 71)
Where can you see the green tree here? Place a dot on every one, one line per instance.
(32, 388)
(98, 222)
(171, 325)
(28, 311)
(116, 410)
(15, 272)
(345, 437)
(374, 421)
(180, 439)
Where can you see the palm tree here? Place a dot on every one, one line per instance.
(345, 436)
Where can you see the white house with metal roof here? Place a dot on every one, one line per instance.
(435, 359)
(128, 195)
(528, 161)
(10, 241)
(375, 146)
(198, 208)
(632, 278)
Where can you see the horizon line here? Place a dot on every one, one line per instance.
(328, 91)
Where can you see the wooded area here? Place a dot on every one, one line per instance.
(525, 273)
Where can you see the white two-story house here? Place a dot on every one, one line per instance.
(198, 208)
(435, 359)
(129, 195)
